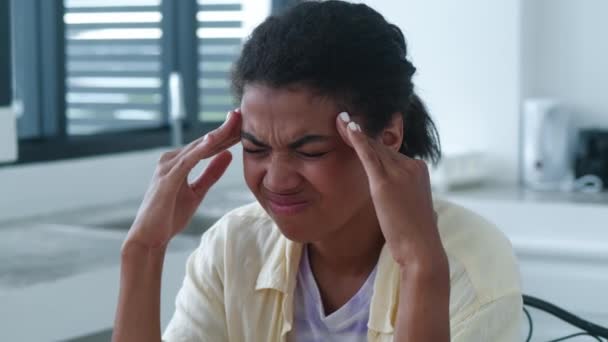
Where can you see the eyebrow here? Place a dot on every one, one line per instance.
(307, 139)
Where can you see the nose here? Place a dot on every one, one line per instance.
(281, 175)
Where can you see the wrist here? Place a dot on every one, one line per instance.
(132, 250)
(424, 301)
(424, 251)
(431, 266)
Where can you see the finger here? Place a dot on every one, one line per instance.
(169, 155)
(214, 143)
(165, 161)
(213, 172)
(353, 136)
(223, 130)
(385, 154)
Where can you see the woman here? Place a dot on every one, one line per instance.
(344, 242)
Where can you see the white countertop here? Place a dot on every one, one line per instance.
(561, 242)
(64, 281)
(562, 245)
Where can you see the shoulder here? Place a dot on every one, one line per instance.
(479, 253)
(220, 277)
(244, 226)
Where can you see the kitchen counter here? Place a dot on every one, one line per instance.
(62, 281)
(63, 278)
(59, 273)
(522, 195)
(561, 242)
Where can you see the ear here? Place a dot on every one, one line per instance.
(392, 135)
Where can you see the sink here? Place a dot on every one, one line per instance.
(120, 216)
(40, 253)
(55, 246)
(196, 227)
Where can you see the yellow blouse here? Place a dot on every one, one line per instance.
(240, 282)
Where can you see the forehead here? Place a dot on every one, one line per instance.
(290, 110)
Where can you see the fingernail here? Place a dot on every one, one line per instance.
(353, 126)
(227, 118)
(204, 139)
(344, 116)
(358, 128)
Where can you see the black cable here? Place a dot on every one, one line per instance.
(593, 329)
(530, 325)
(575, 335)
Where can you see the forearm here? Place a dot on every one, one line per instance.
(424, 296)
(138, 311)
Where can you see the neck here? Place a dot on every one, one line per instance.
(353, 249)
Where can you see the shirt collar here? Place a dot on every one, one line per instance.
(383, 307)
(279, 273)
(280, 270)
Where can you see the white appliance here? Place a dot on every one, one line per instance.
(8, 135)
(459, 170)
(548, 142)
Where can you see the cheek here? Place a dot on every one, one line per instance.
(338, 178)
(253, 172)
(352, 180)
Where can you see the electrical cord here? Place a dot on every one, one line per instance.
(530, 325)
(589, 329)
(575, 335)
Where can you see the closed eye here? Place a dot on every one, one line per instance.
(312, 155)
(254, 151)
(303, 154)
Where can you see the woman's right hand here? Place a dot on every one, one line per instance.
(170, 201)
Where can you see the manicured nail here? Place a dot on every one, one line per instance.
(344, 117)
(358, 128)
(204, 139)
(353, 126)
(227, 117)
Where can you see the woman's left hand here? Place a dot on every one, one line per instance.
(401, 193)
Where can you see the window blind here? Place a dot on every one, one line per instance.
(220, 35)
(113, 65)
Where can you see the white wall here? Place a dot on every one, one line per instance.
(565, 55)
(467, 53)
(475, 60)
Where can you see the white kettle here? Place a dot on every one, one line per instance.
(548, 143)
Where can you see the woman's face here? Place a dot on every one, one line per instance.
(297, 165)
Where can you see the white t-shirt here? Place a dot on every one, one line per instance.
(348, 323)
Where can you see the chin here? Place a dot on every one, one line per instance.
(297, 234)
(299, 228)
(302, 226)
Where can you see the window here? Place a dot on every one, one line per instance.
(91, 76)
(113, 65)
(222, 26)
(219, 33)
(5, 58)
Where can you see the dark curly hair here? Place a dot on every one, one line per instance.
(349, 53)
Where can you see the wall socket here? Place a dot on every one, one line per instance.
(8, 135)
